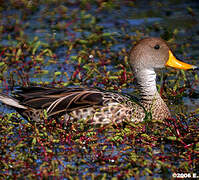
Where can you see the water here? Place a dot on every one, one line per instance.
(137, 20)
(58, 28)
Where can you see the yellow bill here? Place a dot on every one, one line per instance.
(173, 62)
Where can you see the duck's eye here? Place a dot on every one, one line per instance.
(157, 46)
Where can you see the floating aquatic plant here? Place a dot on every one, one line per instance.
(69, 43)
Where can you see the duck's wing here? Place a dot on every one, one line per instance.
(60, 100)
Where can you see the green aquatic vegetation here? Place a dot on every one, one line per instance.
(140, 149)
(86, 43)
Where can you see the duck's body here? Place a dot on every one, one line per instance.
(101, 107)
(116, 108)
(94, 105)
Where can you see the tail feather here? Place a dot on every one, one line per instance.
(11, 101)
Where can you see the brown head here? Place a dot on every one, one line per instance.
(151, 53)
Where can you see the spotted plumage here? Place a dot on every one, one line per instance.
(99, 106)
(94, 105)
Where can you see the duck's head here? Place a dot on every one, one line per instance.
(151, 53)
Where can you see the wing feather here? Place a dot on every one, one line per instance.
(59, 100)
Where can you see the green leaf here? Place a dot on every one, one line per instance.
(57, 73)
(34, 141)
(18, 54)
(145, 135)
(48, 51)
(87, 67)
(2, 63)
(45, 114)
(148, 170)
(73, 58)
(172, 138)
(106, 34)
(113, 77)
(37, 44)
(82, 41)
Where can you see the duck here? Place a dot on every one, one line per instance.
(97, 106)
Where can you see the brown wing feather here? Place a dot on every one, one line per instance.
(59, 100)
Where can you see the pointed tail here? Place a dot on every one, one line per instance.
(11, 101)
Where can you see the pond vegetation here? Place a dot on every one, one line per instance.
(68, 43)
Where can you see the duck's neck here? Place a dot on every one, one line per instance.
(150, 98)
(146, 80)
